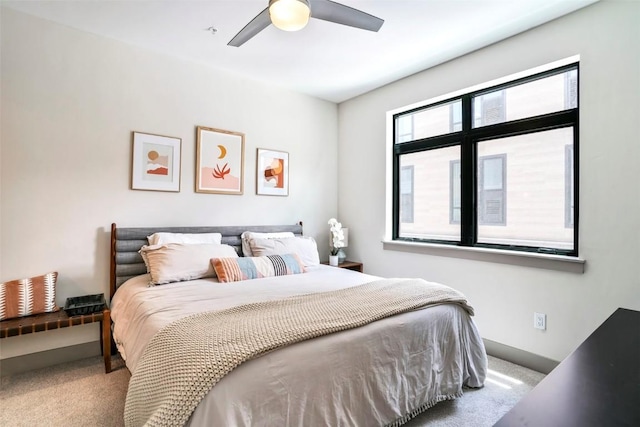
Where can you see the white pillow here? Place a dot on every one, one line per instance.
(175, 262)
(164, 238)
(246, 247)
(305, 247)
(185, 238)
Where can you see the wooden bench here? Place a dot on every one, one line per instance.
(60, 319)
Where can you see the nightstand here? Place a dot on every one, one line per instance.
(349, 265)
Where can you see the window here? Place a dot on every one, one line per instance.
(455, 116)
(491, 192)
(428, 122)
(568, 187)
(429, 200)
(406, 194)
(454, 190)
(571, 89)
(489, 108)
(492, 167)
(405, 129)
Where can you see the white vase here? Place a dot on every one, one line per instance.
(333, 260)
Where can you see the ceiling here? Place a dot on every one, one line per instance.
(325, 60)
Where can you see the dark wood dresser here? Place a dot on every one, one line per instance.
(598, 385)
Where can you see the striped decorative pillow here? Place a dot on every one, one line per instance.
(246, 268)
(25, 297)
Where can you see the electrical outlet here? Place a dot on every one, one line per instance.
(540, 321)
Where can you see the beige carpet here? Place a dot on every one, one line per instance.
(80, 394)
(71, 394)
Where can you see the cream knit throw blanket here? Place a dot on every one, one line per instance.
(187, 358)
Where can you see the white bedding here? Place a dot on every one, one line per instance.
(373, 375)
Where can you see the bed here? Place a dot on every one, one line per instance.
(383, 372)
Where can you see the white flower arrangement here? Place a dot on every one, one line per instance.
(337, 236)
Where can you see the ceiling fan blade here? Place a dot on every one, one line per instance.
(256, 25)
(340, 14)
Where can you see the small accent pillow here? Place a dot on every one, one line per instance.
(176, 262)
(246, 268)
(305, 247)
(246, 247)
(25, 297)
(186, 238)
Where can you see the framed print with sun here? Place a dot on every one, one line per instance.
(155, 163)
(272, 174)
(219, 161)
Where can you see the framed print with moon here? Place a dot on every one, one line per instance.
(219, 161)
(272, 174)
(155, 163)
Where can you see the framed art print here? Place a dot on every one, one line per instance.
(272, 174)
(220, 161)
(155, 162)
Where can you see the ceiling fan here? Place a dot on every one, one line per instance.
(293, 15)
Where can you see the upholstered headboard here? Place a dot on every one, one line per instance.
(126, 262)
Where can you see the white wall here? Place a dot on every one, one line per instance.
(607, 37)
(70, 101)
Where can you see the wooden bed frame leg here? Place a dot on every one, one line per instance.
(106, 340)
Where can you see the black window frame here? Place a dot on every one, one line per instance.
(467, 139)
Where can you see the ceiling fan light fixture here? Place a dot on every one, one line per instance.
(289, 15)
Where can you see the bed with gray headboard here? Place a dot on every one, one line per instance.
(343, 372)
(126, 242)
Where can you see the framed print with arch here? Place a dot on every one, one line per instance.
(272, 173)
(220, 161)
(155, 163)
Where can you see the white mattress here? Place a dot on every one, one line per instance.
(373, 375)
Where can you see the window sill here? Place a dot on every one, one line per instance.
(526, 259)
